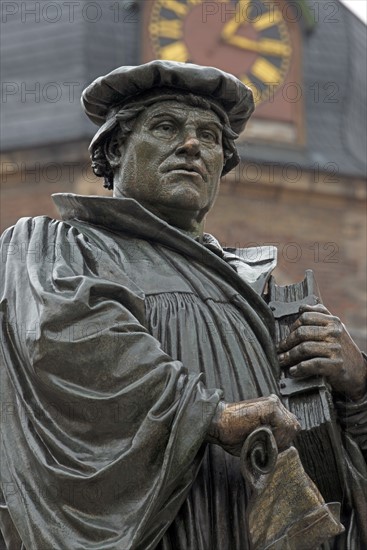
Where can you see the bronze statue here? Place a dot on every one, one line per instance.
(138, 355)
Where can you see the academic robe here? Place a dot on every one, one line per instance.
(121, 335)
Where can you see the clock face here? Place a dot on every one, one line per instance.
(247, 38)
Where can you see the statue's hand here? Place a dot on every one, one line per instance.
(319, 344)
(233, 422)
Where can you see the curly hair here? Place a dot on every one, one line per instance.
(123, 120)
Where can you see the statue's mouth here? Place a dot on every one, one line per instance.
(189, 168)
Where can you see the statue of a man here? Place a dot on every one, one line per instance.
(137, 352)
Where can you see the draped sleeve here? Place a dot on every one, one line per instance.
(103, 432)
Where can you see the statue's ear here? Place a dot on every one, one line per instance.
(112, 148)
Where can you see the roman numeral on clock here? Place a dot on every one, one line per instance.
(176, 51)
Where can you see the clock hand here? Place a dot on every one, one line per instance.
(265, 46)
(233, 24)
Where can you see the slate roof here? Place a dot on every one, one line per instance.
(70, 53)
(73, 51)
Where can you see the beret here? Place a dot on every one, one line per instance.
(123, 84)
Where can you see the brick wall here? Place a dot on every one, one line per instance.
(29, 178)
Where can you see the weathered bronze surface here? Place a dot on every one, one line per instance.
(286, 511)
(310, 399)
(138, 355)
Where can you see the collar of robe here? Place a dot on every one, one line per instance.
(245, 268)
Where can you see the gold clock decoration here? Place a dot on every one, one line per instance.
(248, 38)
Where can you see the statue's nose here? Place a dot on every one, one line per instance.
(190, 146)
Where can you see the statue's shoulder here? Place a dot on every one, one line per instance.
(41, 227)
(24, 229)
(45, 240)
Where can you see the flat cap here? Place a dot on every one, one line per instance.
(123, 84)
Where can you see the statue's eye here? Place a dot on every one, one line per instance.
(208, 136)
(164, 129)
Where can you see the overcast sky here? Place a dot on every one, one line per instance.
(359, 7)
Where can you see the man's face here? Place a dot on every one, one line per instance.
(173, 159)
